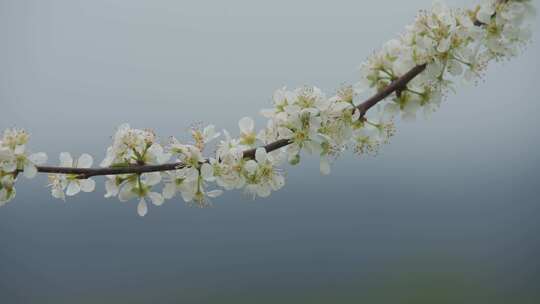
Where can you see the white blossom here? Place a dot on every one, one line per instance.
(15, 158)
(248, 136)
(71, 183)
(203, 136)
(263, 176)
(140, 186)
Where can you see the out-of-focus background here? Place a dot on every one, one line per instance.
(447, 213)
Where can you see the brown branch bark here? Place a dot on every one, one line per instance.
(84, 173)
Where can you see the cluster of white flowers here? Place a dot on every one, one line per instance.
(506, 24)
(452, 44)
(191, 180)
(14, 159)
(135, 147)
(448, 44)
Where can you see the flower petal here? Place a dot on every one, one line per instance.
(85, 161)
(325, 166)
(87, 185)
(169, 191)
(111, 187)
(38, 158)
(30, 170)
(152, 178)
(191, 174)
(261, 155)
(207, 172)
(126, 192)
(142, 208)
(246, 125)
(156, 198)
(263, 191)
(73, 188)
(58, 193)
(251, 166)
(9, 166)
(188, 195)
(66, 160)
(214, 193)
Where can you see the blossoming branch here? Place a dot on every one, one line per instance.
(410, 74)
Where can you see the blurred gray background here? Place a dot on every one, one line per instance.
(448, 212)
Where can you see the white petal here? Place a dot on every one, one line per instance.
(155, 149)
(9, 166)
(341, 106)
(19, 150)
(169, 191)
(111, 187)
(455, 68)
(325, 166)
(5, 154)
(38, 158)
(285, 132)
(278, 182)
(188, 195)
(444, 45)
(156, 198)
(163, 157)
(142, 208)
(260, 155)
(3, 197)
(85, 161)
(263, 191)
(191, 174)
(73, 188)
(207, 172)
(126, 193)
(66, 160)
(313, 147)
(250, 166)
(209, 132)
(268, 113)
(293, 150)
(152, 178)
(108, 158)
(214, 193)
(58, 193)
(30, 170)
(246, 125)
(356, 115)
(292, 109)
(87, 185)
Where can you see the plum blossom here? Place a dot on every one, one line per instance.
(248, 136)
(71, 183)
(203, 136)
(263, 176)
(140, 186)
(134, 147)
(14, 159)
(7, 190)
(195, 190)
